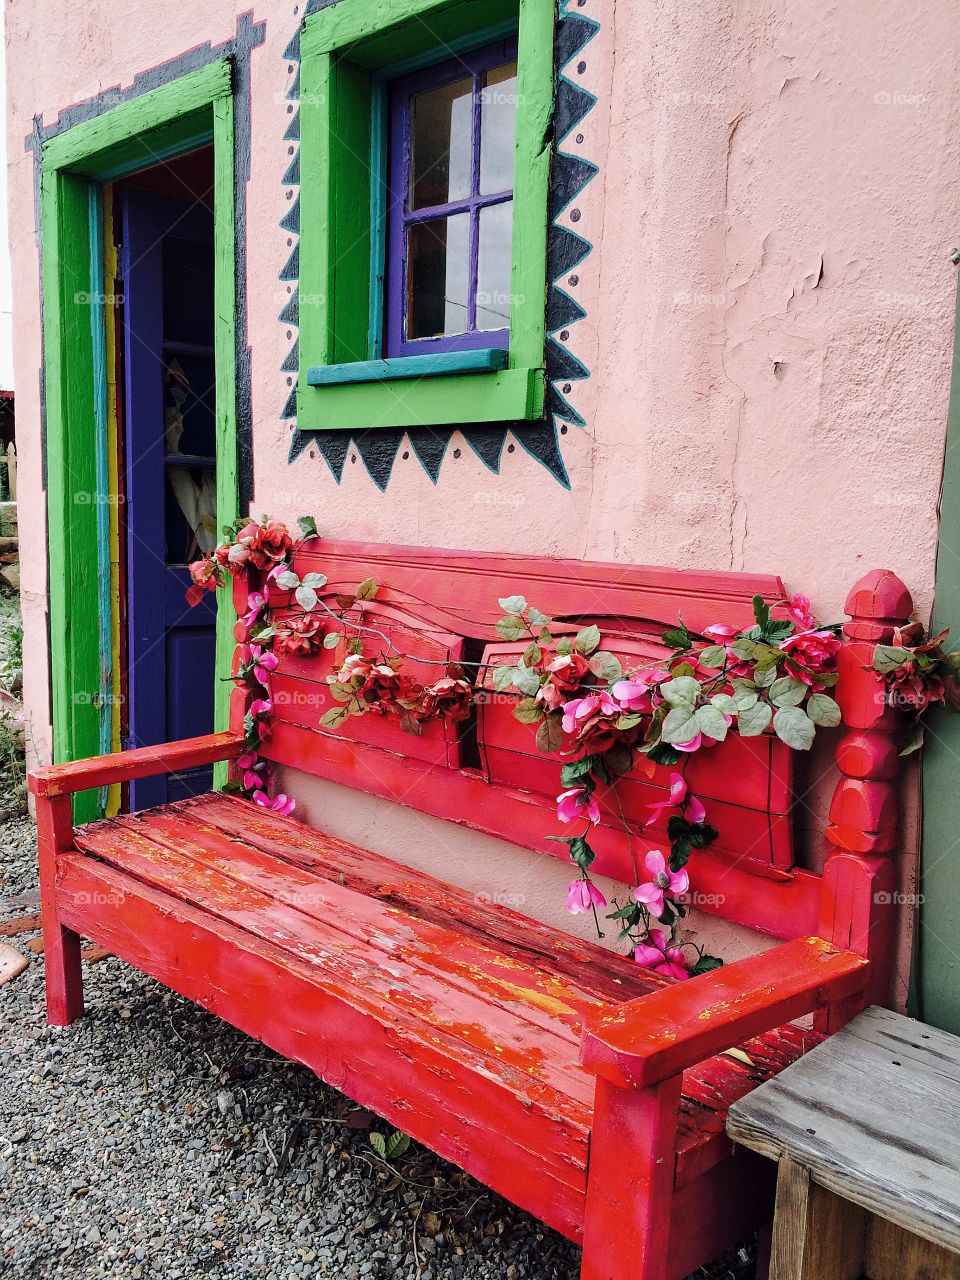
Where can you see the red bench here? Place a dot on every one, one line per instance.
(587, 1090)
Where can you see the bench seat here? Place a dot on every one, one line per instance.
(458, 1020)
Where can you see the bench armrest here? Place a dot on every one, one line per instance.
(654, 1037)
(141, 762)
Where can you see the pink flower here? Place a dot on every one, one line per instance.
(678, 794)
(664, 881)
(582, 708)
(251, 767)
(583, 895)
(720, 632)
(279, 804)
(264, 661)
(257, 603)
(694, 744)
(798, 611)
(577, 803)
(657, 955)
(811, 653)
(635, 693)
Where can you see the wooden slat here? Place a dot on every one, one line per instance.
(782, 905)
(491, 1040)
(874, 1114)
(648, 1040)
(142, 762)
(370, 1051)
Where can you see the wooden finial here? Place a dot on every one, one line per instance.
(860, 876)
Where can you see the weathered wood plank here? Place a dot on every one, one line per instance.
(874, 1114)
(141, 762)
(478, 1121)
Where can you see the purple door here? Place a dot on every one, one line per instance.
(170, 477)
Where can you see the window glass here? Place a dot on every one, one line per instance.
(498, 115)
(438, 277)
(493, 266)
(449, 252)
(441, 145)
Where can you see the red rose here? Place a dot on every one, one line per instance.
(448, 697)
(810, 654)
(567, 671)
(206, 575)
(301, 635)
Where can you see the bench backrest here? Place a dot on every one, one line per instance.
(486, 772)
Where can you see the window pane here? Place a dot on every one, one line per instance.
(438, 276)
(498, 112)
(441, 144)
(493, 266)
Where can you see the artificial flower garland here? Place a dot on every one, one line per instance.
(773, 675)
(361, 685)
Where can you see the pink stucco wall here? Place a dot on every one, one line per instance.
(769, 320)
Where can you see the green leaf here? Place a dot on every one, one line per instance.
(550, 734)
(308, 526)
(574, 770)
(398, 1144)
(745, 698)
(306, 598)
(683, 669)
(677, 637)
(765, 676)
(711, 722)
(701, 834)
(535, 617)
(503, 678)
(315, 580)
(706, 964)
(744, 649)
(379, 1144)
(606, 666)
(787, 692)
(515, 605)
(367, 589)
(761, 611)
(288, 580)
(680, 725)
(714, 655)
(511, 628)
(765, 655)
(753, 720)
(587, 640)
(793, 726)
(527, 680)
(335, 717)
(331, 639)
(581, 853)
(629, 721)
(528, 711)
(532, 655)
(823, 710)
(726, 704)
(545, 637)
(564, 646)
(888, 657)
(663, 753)
(681, 692)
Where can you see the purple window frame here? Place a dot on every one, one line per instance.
(400, 218)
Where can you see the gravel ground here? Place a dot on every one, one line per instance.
(152, 1140)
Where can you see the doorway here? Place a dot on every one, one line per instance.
(128, 663)
(164, 323)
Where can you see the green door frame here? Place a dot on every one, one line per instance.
(936, 979)
(188, 112)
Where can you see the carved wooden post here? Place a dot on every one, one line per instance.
(860, 875)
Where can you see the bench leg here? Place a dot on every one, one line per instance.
(61, 946)
(630, 1182)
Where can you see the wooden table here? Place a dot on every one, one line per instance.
(866, 1129)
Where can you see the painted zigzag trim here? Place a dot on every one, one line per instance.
(566, 249)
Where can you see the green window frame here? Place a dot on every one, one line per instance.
(348, 54)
